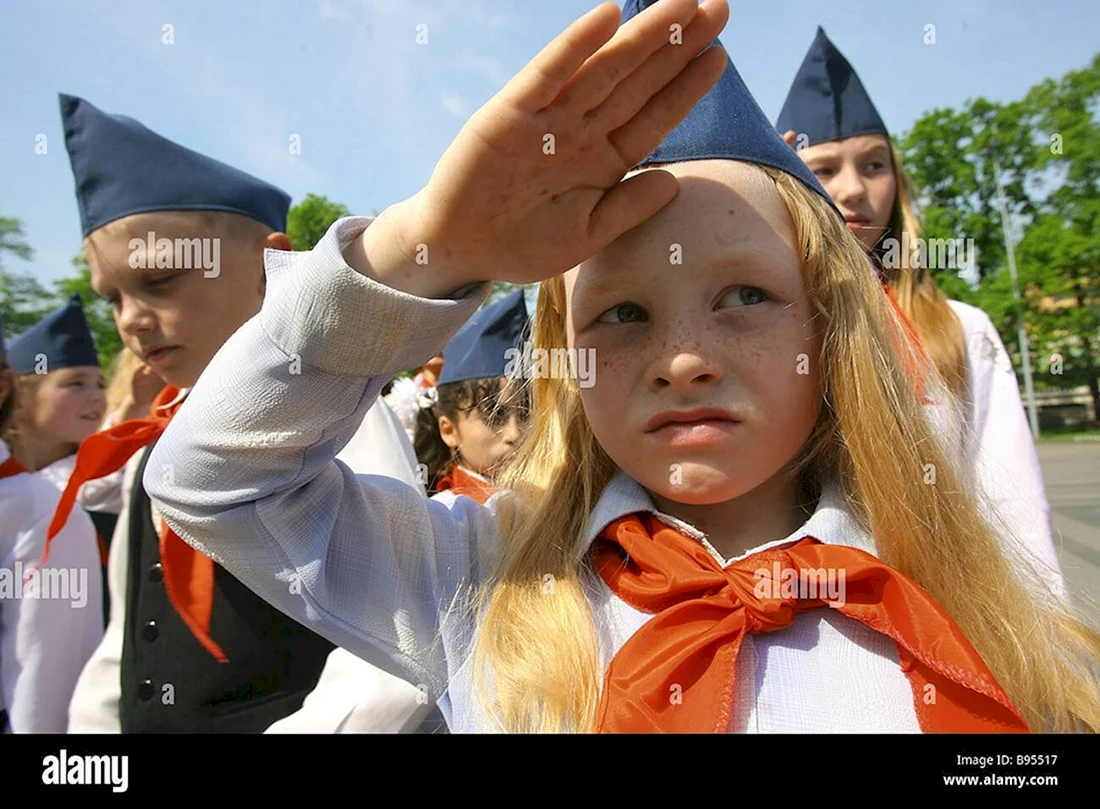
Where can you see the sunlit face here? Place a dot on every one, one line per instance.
(707, 379)
(858, 173)
(176, 319)
(68, 405)
(485, 438)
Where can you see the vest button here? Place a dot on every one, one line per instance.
(156, 572)
(146, 691)
(150, 631)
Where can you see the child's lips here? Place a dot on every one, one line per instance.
(153, 355)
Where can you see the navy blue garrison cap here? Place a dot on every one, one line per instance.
(727, 124)
(122, 168)
(62, 338)
(827, 101)
(480, 350)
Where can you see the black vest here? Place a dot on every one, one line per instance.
(171, 684)
(104, 523)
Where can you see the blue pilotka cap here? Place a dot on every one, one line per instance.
(122, 168)
(727, 124)
(480, 350)
(827, 101)
(62, 338)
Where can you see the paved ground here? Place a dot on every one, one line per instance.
(1071, 471)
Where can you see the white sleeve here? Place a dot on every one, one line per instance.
(95, 703)
(246, 473)
(1003, 449)
(52, 627)
(351, 695)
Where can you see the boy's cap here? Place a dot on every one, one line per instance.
(727, 124)
(62, 337)
(480, 349)
(122, 168)
(827, 101)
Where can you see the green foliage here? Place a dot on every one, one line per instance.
(1047, 147)
(310, 219)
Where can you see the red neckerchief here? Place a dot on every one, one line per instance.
(702, 612)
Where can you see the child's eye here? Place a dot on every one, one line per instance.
(624, 313)
(161, 280)
(876, 166)
(822, 171)
(745, 296)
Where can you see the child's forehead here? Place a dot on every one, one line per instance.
(721, 204)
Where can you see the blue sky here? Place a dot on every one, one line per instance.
(374, 110)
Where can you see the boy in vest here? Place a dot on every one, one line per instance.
(175, 242)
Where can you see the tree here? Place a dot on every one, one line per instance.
(1047, 147)
(310, 219)
(22, 298)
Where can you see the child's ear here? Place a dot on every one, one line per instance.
(448, 431)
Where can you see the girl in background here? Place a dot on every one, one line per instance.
(46, 637)
(472, 422)
(831, 121)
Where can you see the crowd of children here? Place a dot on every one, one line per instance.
(484, 547)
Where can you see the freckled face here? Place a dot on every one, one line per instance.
(707, 378)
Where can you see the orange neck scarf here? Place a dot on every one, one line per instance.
(11, 467)
(188, 575)
(702, 612)
(459, 481)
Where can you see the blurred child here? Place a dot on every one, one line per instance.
(848, 147)
(50, 614)
(175, 241)
(476, 417)
(667, 538)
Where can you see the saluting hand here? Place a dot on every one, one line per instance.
(531, 186)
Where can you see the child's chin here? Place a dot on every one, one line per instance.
(693, 485)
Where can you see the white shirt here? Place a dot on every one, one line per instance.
(350, 696)
(102, 494)
(50, 629)
(1000, 450)
(383, 570)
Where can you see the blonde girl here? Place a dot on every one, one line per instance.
(749, 415)
(830, 119)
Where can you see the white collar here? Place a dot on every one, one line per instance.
(179, 398)
(831, 523)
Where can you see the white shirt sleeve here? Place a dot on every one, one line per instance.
(352, 696)
(367, 562)
(95, 704)
(51, 628)
(1000, 443)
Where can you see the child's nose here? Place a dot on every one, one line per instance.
(848, 187)
(685, 371)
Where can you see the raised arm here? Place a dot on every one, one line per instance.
(531, 187)
(246, 470)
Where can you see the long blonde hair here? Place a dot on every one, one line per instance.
(914, 288)
(537, 663)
